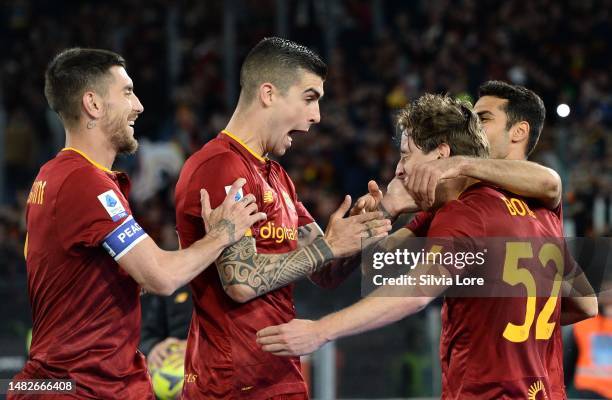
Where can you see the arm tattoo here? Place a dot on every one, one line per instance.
(224, 227)
(240, 264)
(337, 270)
(307, 234)
(304, 231)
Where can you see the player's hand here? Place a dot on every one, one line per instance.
(295, 338)
(368, 202)
(398, 200)
(163, 349)
(422, 180)
(232, 218)
(344, 234)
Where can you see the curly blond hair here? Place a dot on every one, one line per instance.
(434, 119)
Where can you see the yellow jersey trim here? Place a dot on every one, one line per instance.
(260, 158)
(85, 156)
(25, 247)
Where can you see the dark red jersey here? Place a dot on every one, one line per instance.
(500, 348)
(223, 360)
(419, 224)
(85, 308)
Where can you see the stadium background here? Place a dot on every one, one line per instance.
(184, 59)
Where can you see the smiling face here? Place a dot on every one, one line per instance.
(122, 108)
(295, 112)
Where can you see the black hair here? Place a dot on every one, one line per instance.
(523, 105)
(71, 73)
(278, 61)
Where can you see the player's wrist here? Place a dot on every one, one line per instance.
(324, 331)
(215, 241)
(388, 208)
(467, 166)
(327, 244)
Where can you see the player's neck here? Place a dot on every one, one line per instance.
(94, 145)
(451, 189)
(249, 129)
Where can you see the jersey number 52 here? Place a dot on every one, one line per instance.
(515, 275)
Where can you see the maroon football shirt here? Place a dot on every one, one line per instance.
(223, 360)
(479, 359)
(419, 224)
(85, 308)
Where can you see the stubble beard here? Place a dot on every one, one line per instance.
(119, 135)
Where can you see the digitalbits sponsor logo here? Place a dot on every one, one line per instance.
(277, 233)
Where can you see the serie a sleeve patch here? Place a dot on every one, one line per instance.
(121, 240)
(112, 205)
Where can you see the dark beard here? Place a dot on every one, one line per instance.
(120, 137)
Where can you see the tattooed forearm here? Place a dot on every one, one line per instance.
(224, 228)
(308, 233)
(336, 271)
(240, 264)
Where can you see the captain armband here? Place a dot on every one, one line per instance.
(123, 238)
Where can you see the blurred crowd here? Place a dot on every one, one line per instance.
(381, 54)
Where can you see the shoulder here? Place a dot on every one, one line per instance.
(71, 168)
(282, 173)
(83, 179)
(215, 154)
(464, 216)
(480, 193)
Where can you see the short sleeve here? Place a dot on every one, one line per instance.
(216, 175)
(304, 217)
(89, 206)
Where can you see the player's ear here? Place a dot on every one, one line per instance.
(266, 93)
(519, 132)
(92, 104)
(443, 150)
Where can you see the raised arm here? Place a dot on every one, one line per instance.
(245, 274)
(522, 177)
(162, 272)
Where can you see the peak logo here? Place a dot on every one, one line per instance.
(278, 233)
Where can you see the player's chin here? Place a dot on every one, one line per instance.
(281, 150)
(128, 145)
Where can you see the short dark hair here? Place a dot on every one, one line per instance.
(71, 73)
(523, 105)
(433, 119)
(278, 61)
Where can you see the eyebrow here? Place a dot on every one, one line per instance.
(129, 86)
(313, 91)
(484, 114)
